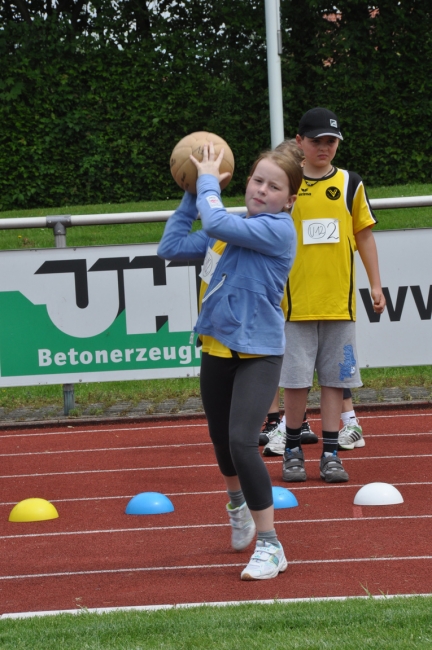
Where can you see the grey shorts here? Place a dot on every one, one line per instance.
(329, 347)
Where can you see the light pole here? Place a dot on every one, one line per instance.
(274, 50)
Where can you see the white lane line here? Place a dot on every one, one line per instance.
(324, 486)
(167, 446)
(415, 457)
(399, 435)
(29, 434)
(209, 566)
(186, 424)
(163, 448)
(223, 603)
(105, 471)
(407, 414)
(291, 522)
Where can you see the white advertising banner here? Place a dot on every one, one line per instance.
(70, 315)
(402, 336)
(99, 313)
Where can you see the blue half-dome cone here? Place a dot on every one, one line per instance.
(149, 503)
(283, 498)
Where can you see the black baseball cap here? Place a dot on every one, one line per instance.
(318, 122)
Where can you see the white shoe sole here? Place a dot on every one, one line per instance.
(273, 452)
(357, 444)
(279, 569)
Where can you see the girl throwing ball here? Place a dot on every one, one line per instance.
(241, 330)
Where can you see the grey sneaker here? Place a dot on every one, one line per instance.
(266, 562)
(331, 469)
(276, 443)
(266, 432)
(293, 470)
(242, 526)
(351, 435)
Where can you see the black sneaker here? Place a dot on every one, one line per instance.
(308, 437)
(267, 429)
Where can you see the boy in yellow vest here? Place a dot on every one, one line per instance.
(333, 219)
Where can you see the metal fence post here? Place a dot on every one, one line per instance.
(59, 224)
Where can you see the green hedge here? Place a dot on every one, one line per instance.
(84, 121)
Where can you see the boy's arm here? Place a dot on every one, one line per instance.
(367, 249)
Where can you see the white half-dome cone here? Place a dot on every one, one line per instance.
(378, 494)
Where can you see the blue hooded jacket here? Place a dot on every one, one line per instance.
(242, 305)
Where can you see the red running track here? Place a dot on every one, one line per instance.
(96, 556)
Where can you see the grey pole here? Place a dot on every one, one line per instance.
(274, 50)
(58, 224)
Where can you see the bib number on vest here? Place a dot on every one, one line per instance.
(320, 231)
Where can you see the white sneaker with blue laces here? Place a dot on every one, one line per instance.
(266, 562)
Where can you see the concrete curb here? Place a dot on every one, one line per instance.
(188, 415)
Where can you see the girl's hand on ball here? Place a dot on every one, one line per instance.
(210, 164)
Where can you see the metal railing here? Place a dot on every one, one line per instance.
(60, 223)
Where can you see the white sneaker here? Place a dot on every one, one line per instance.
(266, 431)
(351, 435)
(242, 526)
(276, 444)
(267, 561)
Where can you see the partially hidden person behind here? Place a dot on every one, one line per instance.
(273, 432)
(333, 219)
(241, 328)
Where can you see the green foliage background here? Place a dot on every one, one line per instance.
(90, 113)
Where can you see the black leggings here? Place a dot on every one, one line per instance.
(236, 394)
